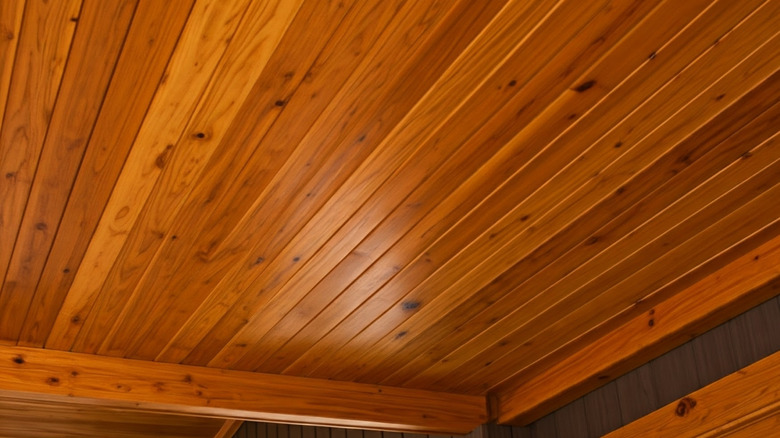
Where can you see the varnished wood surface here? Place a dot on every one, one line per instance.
(749, 280)
(742, 404)
(433, 195)
(20, 418)
(83, 379)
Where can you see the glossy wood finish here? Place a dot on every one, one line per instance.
(442, 195)
(21, 418)
(200, 391)
(749, 280)
(741, 404)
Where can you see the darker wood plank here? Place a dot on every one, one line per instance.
(756, 333)
(572, 420)
(636, 393)
(675, 374)
(545, 427)
(714, 354)
(602, 407)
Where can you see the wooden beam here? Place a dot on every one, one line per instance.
(740, 285)
(181, 389)
(746, 400)
(228, 429)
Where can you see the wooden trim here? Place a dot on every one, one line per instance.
(734, 403)
(744, 283)
(229, 428)
(188, 390)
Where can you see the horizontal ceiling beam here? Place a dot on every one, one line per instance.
(738, 286)
(181, 389)
(736, 405)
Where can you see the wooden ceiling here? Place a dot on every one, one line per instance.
(443, 195)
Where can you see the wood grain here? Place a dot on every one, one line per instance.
(79, 101)
(123, 383)
(20, 418)
(746, 397)
(43, 47)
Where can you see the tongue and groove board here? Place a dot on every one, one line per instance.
(443, 195)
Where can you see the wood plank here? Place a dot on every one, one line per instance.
(21, 418)
(603, 409)
(624, 191)
(371, 180)
(100, 34)
(403, 199)
(228, 429)
(453, 324)
(744, 397)
(675, 374)
(160, 387)
(382, 270)
(44, 43)
(636, 394)
(331, 62)
(251, 48)
(544, 205)
(10, 25)
(731, 290)
(187, 76)
(128, 97)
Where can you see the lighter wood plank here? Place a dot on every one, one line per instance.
(745, 397)
(43, 46)
(207, 260)
(188, 74)
(328, 63)
(127, 100)
(730, 290)
(228, 429)
(10, 25)
(96, 46)
(379, 218)
(381, 271)
(158, 387)
(478, 69)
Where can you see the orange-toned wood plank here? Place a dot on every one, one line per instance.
(351, 119)
(569, 209)
(101, 31)
(189, 71)
(742, 284)
(745, 397)
(32, 418)
(468, 73)
(538, 209)
(468, 23)
(377, 213)
(127, 100)
(426, 230)
(763, 423)
(44, 43)
(529, 276)
(329, 58)
(10, 25)
(599, 305)
(251, 46)
(182, 389)
(634, 232)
